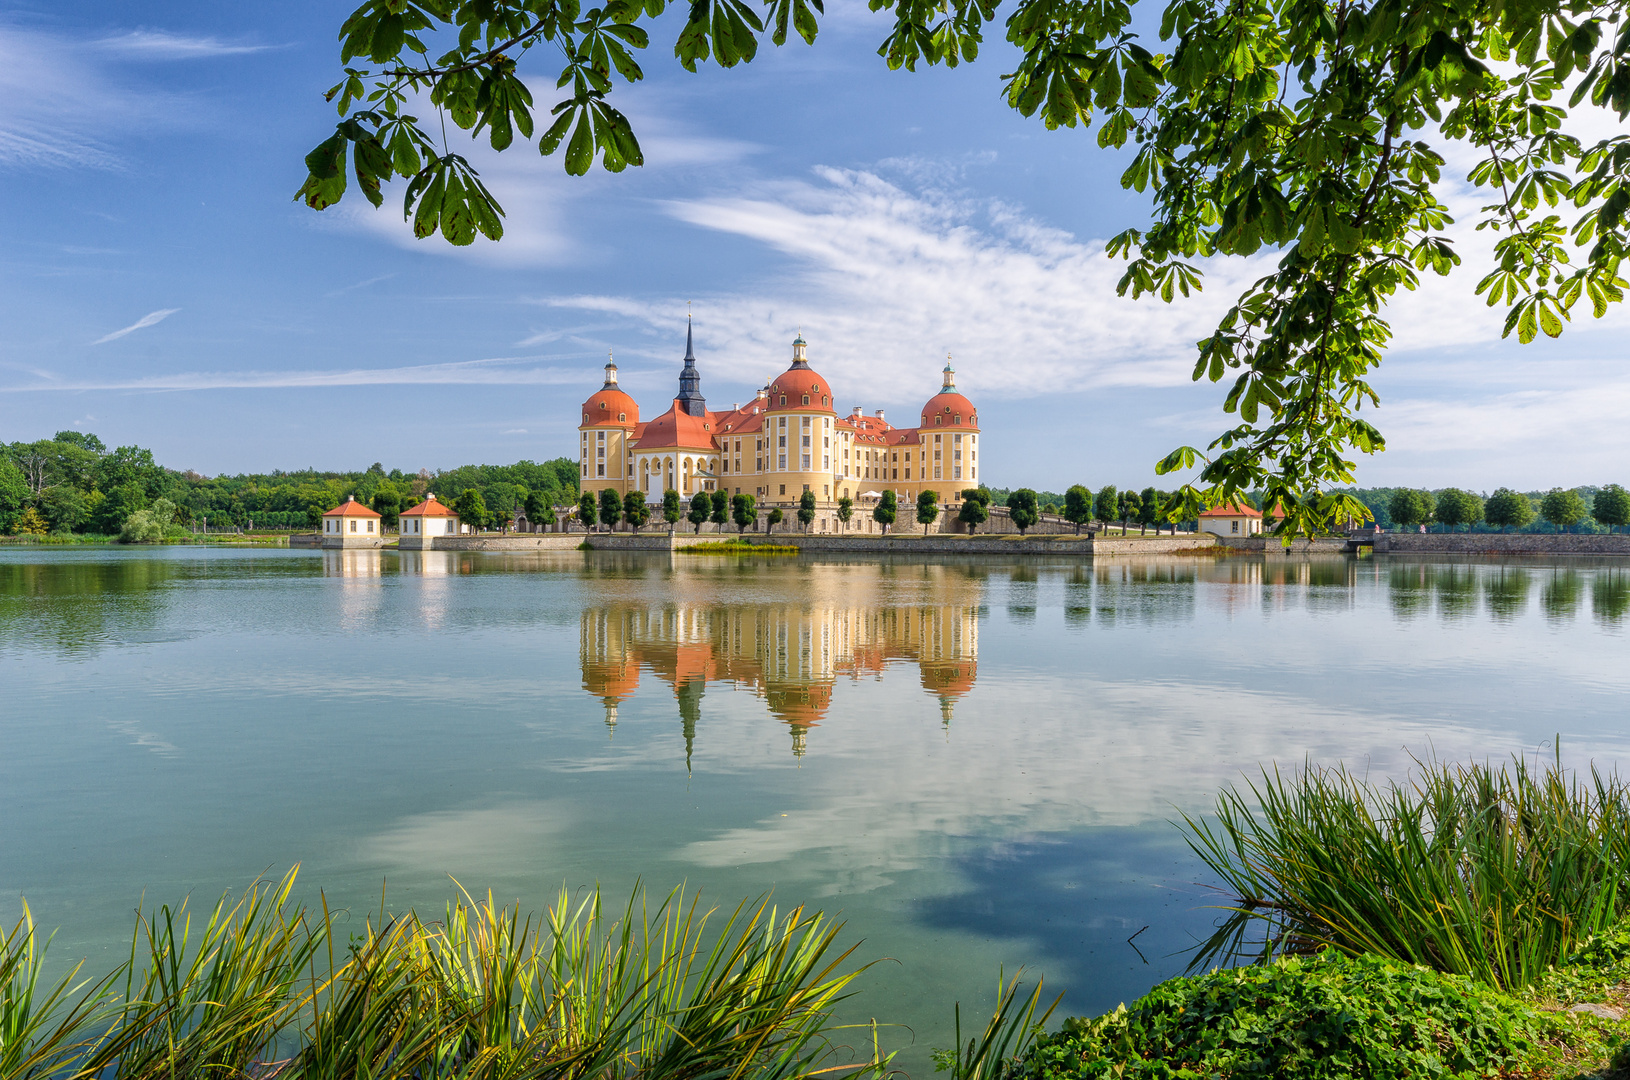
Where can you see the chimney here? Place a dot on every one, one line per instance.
(880, 414)
(735, 406)
(856, 411)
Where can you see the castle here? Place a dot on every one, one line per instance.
(788, 440)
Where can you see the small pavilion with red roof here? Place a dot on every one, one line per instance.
(352, 524)
(1231, 519)
(421, 524)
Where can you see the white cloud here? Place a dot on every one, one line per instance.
(161, 45)
(152, 318)
(63, 111)
(886, 281)
(489, 372)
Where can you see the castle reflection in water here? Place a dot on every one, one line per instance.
(789, 654)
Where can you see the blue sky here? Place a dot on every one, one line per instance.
(158, 286)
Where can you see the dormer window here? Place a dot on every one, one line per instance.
(806, 399)
(622, 416)
(959, 418)
(823, 399)
(783, 399)
(602, 405)
(936, 421)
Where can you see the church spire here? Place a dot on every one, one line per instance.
(690, 380)
(949, 386)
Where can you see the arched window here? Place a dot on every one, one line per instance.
(622, 416)
(806, 399)
(823, 399)
(783, 399)
(936, 421)
(959, 418)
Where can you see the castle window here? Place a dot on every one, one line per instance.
(806, 399)
(602, 405)
(783, 399)
(622, 416)
(959, 418)
(783, 489)
(823, 399)
(936, 423)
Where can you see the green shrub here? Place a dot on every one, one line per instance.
(1311, 1018)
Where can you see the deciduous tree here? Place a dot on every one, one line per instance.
(928, 509)
(744, 512)
(1563, 508)
(1410, 508)
(975, 509)
(471, 508)
(1107, 505)
(1078, 506)
(1131, 506)
(1507, 509)
(1021, 509)
(1457, 508)
(773, 518)
(635, 511)
(846, 510)
(1148, 510)
(806, 509)
(721, 508)
(587, 509)
(1315, 129)
(673, 508)
(701, 508)
(887, 510)
(1611, 506)
(611, 507)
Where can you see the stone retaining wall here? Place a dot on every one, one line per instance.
(1502, 544)
(1272, 545)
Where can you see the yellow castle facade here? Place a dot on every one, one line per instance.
(788, 440)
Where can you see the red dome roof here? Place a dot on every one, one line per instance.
(610, 405)
(948, 406)
(796, 382)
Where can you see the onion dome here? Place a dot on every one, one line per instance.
(610, 405)
(951, 408)
(800, 387)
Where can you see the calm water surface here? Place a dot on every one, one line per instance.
(974, 763)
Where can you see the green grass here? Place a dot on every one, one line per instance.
(1495, 873)
(737, 547)
(262, 987)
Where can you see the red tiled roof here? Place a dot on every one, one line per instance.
(430, 508)
(1231, 510)
(678, 429)
(352, 508)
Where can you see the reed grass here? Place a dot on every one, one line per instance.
(737, 547)
(1496, 873)
(259, 988)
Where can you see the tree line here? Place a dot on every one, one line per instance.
(72, 483)
(1585, 509)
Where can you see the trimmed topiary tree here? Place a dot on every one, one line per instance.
(928, 509)
(701, 508)
(673, 509)
(806, 509)
(587, 508)
(975, 510)
(1107, 505)
(744, 512)
(611, 508)
(1022, 510)
(886, 510)
(846, 511)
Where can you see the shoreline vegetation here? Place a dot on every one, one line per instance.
(1470, 922)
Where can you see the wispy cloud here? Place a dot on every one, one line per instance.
(489, 372)
(161, 45)
(152, 318)
(886, 280)
(62, 109)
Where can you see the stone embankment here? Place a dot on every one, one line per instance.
(1502, 544)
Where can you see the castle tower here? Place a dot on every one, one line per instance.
(690, 381)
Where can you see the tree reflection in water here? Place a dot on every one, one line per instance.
(1610, 596)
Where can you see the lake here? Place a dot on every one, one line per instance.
(974, 763)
